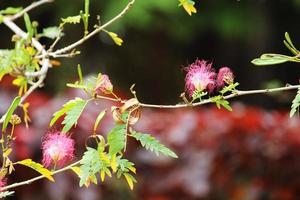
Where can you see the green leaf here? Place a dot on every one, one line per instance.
(28, 25)
(90, 165)
(51, 32)
(92, 162)
(289, 44)
(130, 180)
(76, 170)
(294, 51)
(6, 194)
(125, 165)
(152, 144)
(295, 104)
(116, 139)
(229, 88)
(226, 104)
(70, 20)
(37, 167)
(79, 71)
(198, 95)
(73, 110)
(188, 6)
(102, 175)
(10, 111)
(21, 82)
(85, 16)
(98, 120)
(78, 86)
(288, 39)
(271, 59)
(220, 101)
(73, 115)
(11, 10)
(11, 59)
(113, 163)
(124, 168)
(115, 38)
(5, 62)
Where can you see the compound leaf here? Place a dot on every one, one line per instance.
(295, 104)
(152, 144)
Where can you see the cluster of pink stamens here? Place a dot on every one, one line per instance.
(201, 76)
(58, 148)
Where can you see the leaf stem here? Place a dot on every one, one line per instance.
(236, 93)
(94, 32)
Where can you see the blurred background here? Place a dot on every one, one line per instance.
(251, 153)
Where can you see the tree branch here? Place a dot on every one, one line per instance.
(94, 32)
(45, 61)
(35, 43)
(28, 8)
(39, 177)
(206, 101)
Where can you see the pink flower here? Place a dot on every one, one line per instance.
(103, 85)
(58, 148)
(200, 76)
(2, 183)
(225, 76)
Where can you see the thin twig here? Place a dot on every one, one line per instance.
(206, 101)
(67, 55)
(36, 44)
(45, 61)
(14, 185)
(28, 8)
(29, 91)
(33, 87)
(94, 32)
(111, 99)
(235, 94)
(60, 34)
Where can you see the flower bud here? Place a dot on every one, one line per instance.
(225, 76)
(103, 85)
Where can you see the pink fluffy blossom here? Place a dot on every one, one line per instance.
(58, 148)
(200, 76)
(103, 85)
(225, 76)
